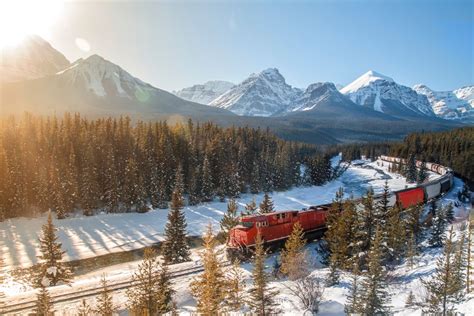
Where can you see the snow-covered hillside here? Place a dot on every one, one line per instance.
(261, 94)
(316, 94)
(32, 58)
(457, 104)
(383, 94)
(206, 92)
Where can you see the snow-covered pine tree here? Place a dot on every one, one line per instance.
(449, 211)
(261, 296)
(151, 293)
(255, 180)
(267, 204)
(234, 296)
(460, 265)
(330, 236)
(84, 309)
(438, 227)
(422, 173)
(233, 182)
(411, 171)
(374, 287)
(209, 288)
(368, 220)
(251, 207)
(175, 248)
(411, 300)
(395, 231)
(354, 304)
(52, 270)
(413, 214)
(104, 302)
(230, 218)
(207, 184)
(293, 256)
(444, 287)
(44, 304)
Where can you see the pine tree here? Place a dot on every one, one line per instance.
(449, 211)
(395, 231)
(52, 269)
(105, 305)
(422, 173)
(411, 250)
(207, 187)
(84, 309)
(261, 296)
(438, 228)
(411, 172)
(230, 219)
(375, 295)
(175, 247)
(209, 287)
(354, 303)
(444, 288)
(411, 300)
(413, 215)
(151, 293)
(234, 296)
(293, 257)
(251, 207)
(44, 305)
(267, 204)
(368, 220)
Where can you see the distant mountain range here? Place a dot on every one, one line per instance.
(39, 79)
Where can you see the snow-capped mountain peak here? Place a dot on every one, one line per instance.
(31, 59)
(103, 78)
(261, 94)
(365, 80)
(383, 94)
(206, 92)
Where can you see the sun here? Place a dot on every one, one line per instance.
(19, 18)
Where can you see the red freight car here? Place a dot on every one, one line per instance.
(410, 197)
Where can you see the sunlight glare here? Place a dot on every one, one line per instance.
(19, 18)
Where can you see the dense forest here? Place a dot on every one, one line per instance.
(117, 165)
(454, 149)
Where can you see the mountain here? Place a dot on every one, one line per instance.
(206, 92)
(96, 86)
(32, 58)
(315, 94)
(452, 105)
(261, 94)
(383, 94)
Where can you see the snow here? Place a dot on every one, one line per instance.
(205, 93)
(364, 81)
(355, 180)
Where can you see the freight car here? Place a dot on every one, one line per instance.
(275, 227)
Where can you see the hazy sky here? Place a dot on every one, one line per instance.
(180, 43)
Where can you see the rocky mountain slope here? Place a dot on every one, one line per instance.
(205, 93)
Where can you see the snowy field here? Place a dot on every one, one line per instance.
(86, 237)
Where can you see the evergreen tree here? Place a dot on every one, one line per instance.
(375, 295)
(105, 305)
(422, 173)
(251, 207)
(354, 303)
(261, 296)
(44, 304)
(52, 269)
(413, 214)
(411, 172)
(438, 227)
(449, 211)
(151, 293)
(175, 247)
(230, 219)
(444, 288)
(207, 187)
(84, 309)
(209, 288)
(395, 234)
(411, 300)
(411, 250)
(234, 296)
(368, 220)
(267, 204)
(293, 257)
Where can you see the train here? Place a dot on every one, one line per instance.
(276, 227)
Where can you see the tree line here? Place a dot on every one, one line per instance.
(115, 165)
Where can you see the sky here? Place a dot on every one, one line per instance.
(176, 44)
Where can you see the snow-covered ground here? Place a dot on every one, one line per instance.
(118, 232)
(86, 237)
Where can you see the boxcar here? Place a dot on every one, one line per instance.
(432, 190)
(410, 197)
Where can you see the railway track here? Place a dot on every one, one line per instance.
(28, 306)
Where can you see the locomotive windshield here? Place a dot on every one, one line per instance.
(246, 224)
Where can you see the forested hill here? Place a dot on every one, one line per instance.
(454, 149)
(113, 165)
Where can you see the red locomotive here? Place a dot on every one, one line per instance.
(276, 227)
